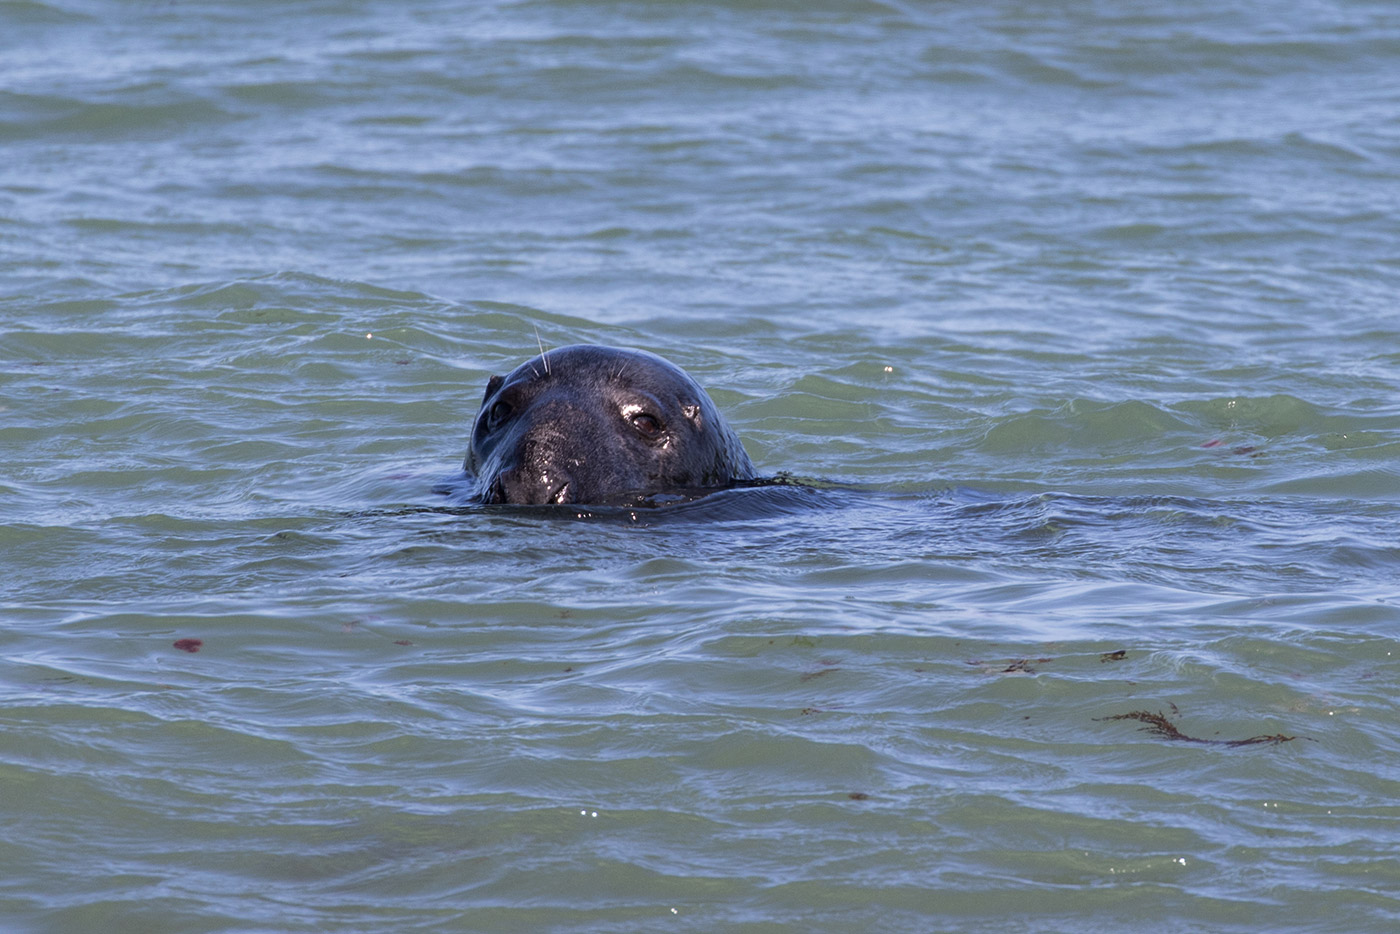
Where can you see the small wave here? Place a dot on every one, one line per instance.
(28, 117)
(1081, 424)
(18, 14)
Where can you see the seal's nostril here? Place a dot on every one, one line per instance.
(495, 493)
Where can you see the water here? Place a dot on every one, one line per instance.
(1081, 316)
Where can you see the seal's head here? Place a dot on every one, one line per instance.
(591, 424)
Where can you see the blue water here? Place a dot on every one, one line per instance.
(1077, 323)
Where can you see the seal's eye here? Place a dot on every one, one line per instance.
(648, 425)
(499, 413)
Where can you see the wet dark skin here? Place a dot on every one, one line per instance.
(588, 424)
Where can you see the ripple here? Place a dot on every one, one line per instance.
(1070, 333)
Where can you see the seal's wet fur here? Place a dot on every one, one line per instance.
(588, 424)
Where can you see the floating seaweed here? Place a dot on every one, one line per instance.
(1013, 666)
(1159, 725)
(829, 662)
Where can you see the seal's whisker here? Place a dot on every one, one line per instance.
(544, 355)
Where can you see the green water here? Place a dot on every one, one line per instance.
(1080, 321)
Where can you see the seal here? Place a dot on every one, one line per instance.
(588, 424)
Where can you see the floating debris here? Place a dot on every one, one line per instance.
(1014, 666)
(1159, 725)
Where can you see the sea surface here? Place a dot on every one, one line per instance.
(1075, 326)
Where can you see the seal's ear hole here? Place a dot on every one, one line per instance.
(492, 385)
(692, 414)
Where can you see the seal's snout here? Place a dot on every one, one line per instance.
(538, 474)
(526, 489)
